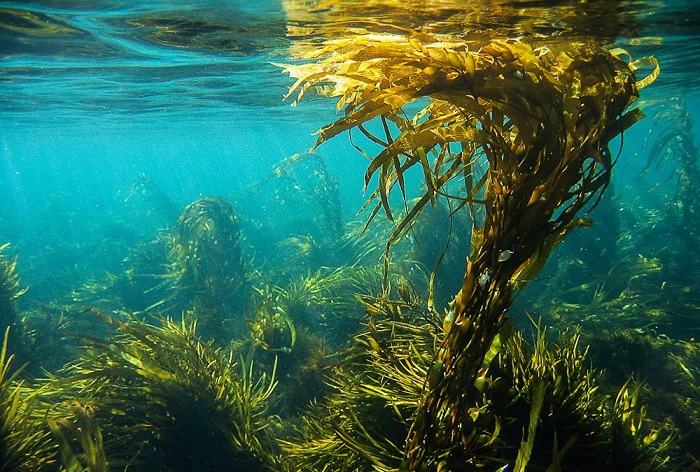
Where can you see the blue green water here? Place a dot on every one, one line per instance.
(98, 99)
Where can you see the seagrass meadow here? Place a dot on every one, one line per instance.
(349, 236)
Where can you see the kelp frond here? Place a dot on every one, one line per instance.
(498, 102)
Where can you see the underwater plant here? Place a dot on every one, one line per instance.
(271, 327)
(10, 288)
(207, 271)
(363, 422)
(297, 221)
(536, 406)
(164, 399)
(84, 428)
(24, 443)
(525, 126)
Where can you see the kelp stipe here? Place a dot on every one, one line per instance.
(527, 128)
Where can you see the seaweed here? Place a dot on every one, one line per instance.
(24, 443)
(206, 270)
(162, 398)
(526, 128)
(10, 288)
(536, 406)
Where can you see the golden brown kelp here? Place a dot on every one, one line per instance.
(542, 397)
(24, 442)
(271, 327)
(528, 131)
(206, 265)
(164, 399)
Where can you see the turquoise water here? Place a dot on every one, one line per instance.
(192, 98)
(115, 116)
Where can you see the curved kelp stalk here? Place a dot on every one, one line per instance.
(527, 129)
(163, 398)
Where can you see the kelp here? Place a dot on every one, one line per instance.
(148, 204)
(304, 177)
(668, 393)
(541, 395)
(527, 129)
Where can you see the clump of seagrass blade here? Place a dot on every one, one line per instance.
(525, 128)
(24, 444)
(162, 397)
(206, 269)
(10, 288)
